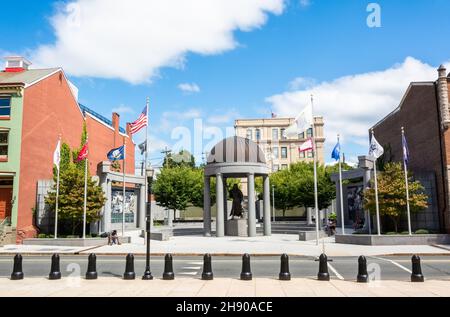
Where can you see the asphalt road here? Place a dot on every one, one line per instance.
(383, 268)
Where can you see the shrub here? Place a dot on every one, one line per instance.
(392, 233)
(422, 231)
(42, 236)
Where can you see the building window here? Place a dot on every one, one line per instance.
(249, 134)
(275, 168)
(284, 166)
(258, 135)
(284, 153)
(283, 134)
(309, 133)
(310, 154)
(302, 154)
(301, 135)
(4, 145)
(276, 153)
(274, 134)
(5, 107)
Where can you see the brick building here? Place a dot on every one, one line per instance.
(36, 106)
(424, 113)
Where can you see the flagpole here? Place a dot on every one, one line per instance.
(145, 166)
(57, 190)
(376, 192)
(316, 199)
(124, 189)
(407, 183)
(85, 191)
(340, 187)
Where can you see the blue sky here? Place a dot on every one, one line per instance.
(242, 60)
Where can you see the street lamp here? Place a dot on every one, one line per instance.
(149, 174)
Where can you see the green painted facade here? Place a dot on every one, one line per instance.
(12, 166)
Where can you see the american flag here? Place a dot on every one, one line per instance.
(141, 122)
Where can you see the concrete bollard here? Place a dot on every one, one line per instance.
(91, 273)
(285, 275)
(246, 274)
(129, 268)
(416, 275)
(17, 273)
(207, 274)
(363, 276)
(323, 269)
(168, 268)
(55, 271)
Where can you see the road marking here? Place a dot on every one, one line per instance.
(339, 276)
(395, 263)
(188, 273)
(191, 267)
(195, 263)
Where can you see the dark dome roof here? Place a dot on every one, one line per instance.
(236, 150)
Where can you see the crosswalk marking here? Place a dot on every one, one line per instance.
(393, 262)
(339, 276)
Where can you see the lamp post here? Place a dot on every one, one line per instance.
(149, 174)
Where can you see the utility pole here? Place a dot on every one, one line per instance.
(166, 152)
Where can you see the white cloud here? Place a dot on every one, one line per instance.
(189, 88)
(123, 109)
(302, 83)
(227, 117)
(132, 39)
(352, 104)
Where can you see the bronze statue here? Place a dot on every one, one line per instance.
(238, 197)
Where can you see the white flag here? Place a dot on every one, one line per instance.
(376, 150)
(303, 122)
(57, 155)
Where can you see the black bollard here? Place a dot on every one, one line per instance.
(55, 271)
(363, 276)
(285, 275)
(91, 273)
(246, 274)
(207, 274)
(129, 268)
(323, 269)
(416, 275)
(168, 268)
(17, 273)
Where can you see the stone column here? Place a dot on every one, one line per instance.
(225, 204)
(207, 207)
(142, 208)
(266, 201)
(309, 216)
(251, 206)
(107, 209)
(220, 224)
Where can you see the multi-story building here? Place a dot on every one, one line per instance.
(36, 107)
(280, 150)
(425, 115)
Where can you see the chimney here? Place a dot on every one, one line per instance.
(16, 64)
(442, 87)
(115, 121)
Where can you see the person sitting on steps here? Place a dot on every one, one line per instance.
(113, 238)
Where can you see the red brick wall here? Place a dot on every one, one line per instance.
(49, 110)
(420, 117)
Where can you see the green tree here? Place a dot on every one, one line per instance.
(183, 158)
(175, 186)
(71, 193)
(285, 190)
(392, 194)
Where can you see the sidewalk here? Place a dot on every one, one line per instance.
(198, 245)
(223, 287)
